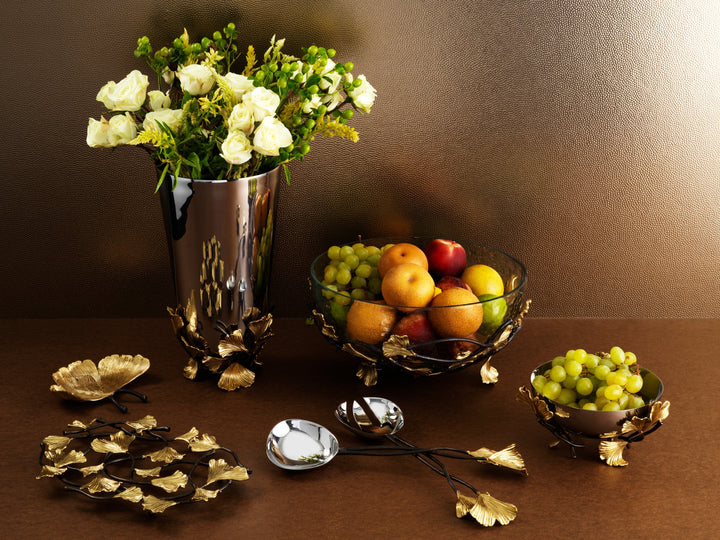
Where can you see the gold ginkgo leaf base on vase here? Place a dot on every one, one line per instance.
(82, 380)
(237, 352)
(137, 462)
(633, 428)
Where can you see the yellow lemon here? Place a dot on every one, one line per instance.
(483, 279)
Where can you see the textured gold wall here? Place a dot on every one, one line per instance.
(581, 137)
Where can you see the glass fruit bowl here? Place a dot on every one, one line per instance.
(436, 322)
(615, 429)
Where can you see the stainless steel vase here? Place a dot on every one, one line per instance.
(220, 234)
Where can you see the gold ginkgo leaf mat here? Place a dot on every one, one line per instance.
(138, 462)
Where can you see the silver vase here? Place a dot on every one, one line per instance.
(220, 235)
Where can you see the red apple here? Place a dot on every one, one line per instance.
(448, 282)
(462, 349)
(445, 257)
(416, 327)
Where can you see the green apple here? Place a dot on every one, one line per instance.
(493, 313)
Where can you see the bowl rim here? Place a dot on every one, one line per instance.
(519, 287)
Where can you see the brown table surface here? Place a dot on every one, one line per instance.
(668, 490)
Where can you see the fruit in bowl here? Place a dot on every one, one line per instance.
(403, 301)
(605, 396)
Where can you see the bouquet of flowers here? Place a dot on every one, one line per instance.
(207, 120)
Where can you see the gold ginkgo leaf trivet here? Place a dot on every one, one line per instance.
(138, 462)
(82, 380)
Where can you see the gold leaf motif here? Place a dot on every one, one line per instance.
(488, 373)
(145, 423)
(155, 505)
(236, 376)
(485, 509)
(48, 471)
(219, 469)
(68, 458)
(367, 373)
(260, 327)
(83, 381)
(350, 348)
(204, 494)
(92, 469)
(539, 406)
(149, 473)
(325, 329)
(171, 483)
(78, 424)
(612, 452)
(397, 346)
(190, 435)
(166, 455)
(132, 494)
(507, 457)
(55, 443)
(101, 484)
(204, 443)
(191, 369)
(232, 343)
(117, 444)
(213, 363)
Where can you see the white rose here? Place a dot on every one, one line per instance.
(171, 117)
(97, 133)
(196, 79)
(333, 100)
(122, 129)
(241, 118)
(236, 148)
(127, 95)
(240, 85)
(270, 136)
(311, 104)
(331, 85)
(158, 100)
(262, 102)
(363, 96)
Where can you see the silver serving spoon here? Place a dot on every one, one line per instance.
(297, 444)
(376, 417)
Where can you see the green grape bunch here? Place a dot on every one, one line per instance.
(351, 274)
(598, 382)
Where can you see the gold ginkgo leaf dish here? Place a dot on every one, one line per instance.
(82, 380)
(139, 463)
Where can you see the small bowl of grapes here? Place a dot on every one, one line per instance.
(424, 305)
(606, 396)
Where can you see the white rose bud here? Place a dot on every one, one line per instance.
(270, 136)
(171, 117)
(236, 148)
(158, 100)
(122, 129)
(363, 96)
(168, 76)
(262, 102)
(241, 118)
(127, 95)
(240, 85)
(196, 79)
(97, 133)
